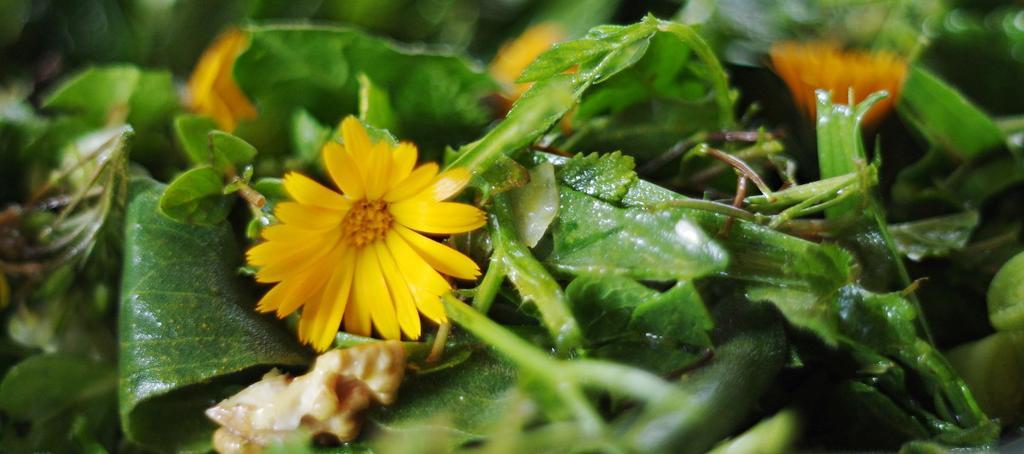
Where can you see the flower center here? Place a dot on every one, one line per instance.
(366, 222)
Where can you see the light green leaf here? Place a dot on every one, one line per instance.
(641, 244)
(945, 118)
(605, 176)
(196, 197)
(934, 237)
(535, 205)
(229, 151)
(193, 136)
(308, 136)
(375, 106)
(187, 326)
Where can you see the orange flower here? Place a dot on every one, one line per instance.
(212, 87)
(806, 67)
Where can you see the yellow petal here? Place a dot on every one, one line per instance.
(371, 294)
(377, 169)
(424, 282)
(356, 141)
(405, 306)
(272, 252)
(403, 159)
(447, 184)
(357, 318)
(312, 280)
(289, 259)
(287, 233)
(335, 299)
(440, 257)
(343, 170)
(304, 190)
(308, 216)
(418, 180)
(437, 217)
(311, 312)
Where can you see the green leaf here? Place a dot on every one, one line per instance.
(778, 433)
(315, 68)
(934, 237)
(193, 135)
(605, 176)
(637, 243)
(96, 93)
(230, 152)
(994, 369)
(751, 350)
(187, 324)
(625, 321)
(375, 106)
(308, 136)
(1006, 295)
(563, 56)
(49, 394)
(534, 283)
(945, 118)
(196, 197)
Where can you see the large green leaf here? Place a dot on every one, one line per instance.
(637, 243)
(626, 321)
(187, 323)
(437, 95)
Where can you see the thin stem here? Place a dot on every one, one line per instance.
(706, 205)
(437, 349)
(737, 202)
(490, 285)
(740, 166)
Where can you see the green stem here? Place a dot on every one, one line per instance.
(490, 285)
(533, 281)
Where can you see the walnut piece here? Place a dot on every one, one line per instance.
(327, 400)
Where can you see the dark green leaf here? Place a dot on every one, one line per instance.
(186, 323)
(628, 322)
(750, 351)
(315, 68)
(465, 401)
(48, 394)
(196, 197)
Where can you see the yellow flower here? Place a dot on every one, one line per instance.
(212, 87)
(516, 55)
(359, 256)
(821, 65)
